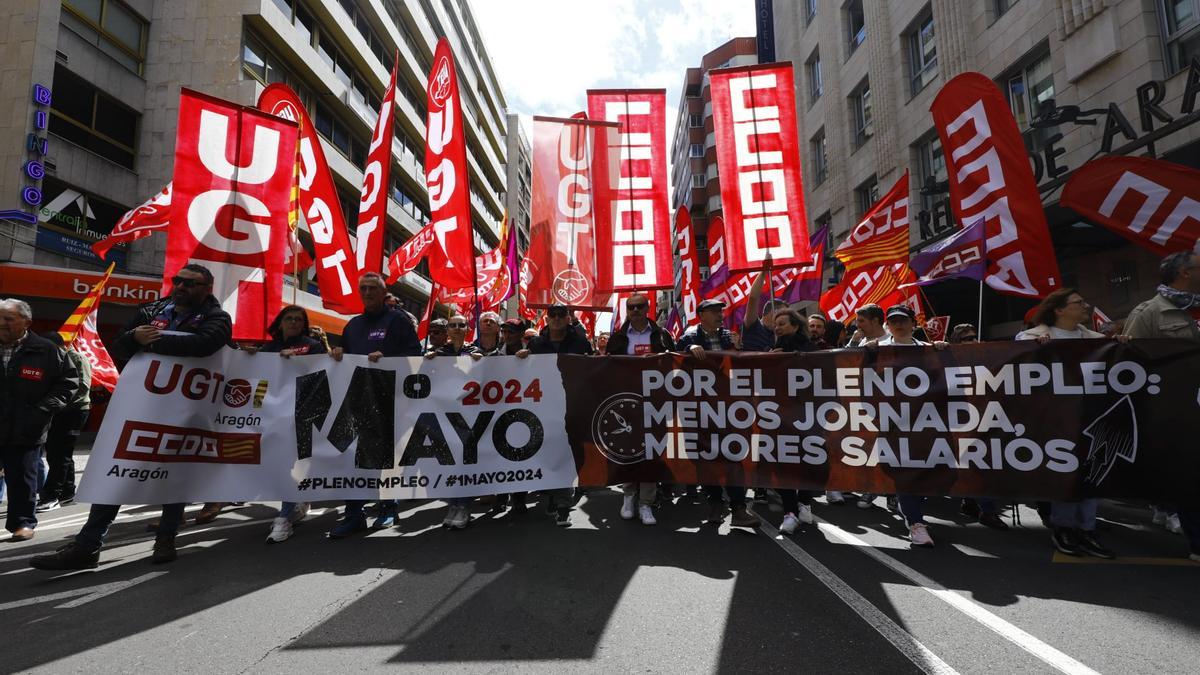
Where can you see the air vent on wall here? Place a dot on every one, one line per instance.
(61, 57)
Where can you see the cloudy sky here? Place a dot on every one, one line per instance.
(547, 53)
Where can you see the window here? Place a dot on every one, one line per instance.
(931, 168)
(698, 180)
(1002, 6)
(84, 115)
(1027, 88)
(856, 24)
(810, 11)
(922, 54)
(820, 162)
(695, 150)
(1181, 32)
(816, 85)
(865, 197)
(114, 28)
(860, 104)
(695, 121)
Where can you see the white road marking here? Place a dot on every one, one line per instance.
(902, 640)
(1035, 647)
(82, 595)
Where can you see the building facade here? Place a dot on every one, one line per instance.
(520, 176)
(113, 70)
(693, 147)
(867, 72)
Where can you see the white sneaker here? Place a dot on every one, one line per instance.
(1173, 524)
(1158, 517)
(804, 513)
(627, 508)
(299, 513)
(866, 500)
(646, 514)
(1194, 557)
(789, 524)
(451, 512)
(462, 518)
(281, 530)
(834, 497)
(918, 534)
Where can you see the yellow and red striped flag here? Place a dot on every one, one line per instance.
(79, 332)
(881, 237)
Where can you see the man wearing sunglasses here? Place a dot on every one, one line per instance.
(639, 336)
(188, 323)
(558, 337)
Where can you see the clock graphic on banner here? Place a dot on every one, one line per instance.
(617, 429)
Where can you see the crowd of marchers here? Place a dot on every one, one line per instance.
(44, 399)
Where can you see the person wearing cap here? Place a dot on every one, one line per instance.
(711, 335)
(639, 336)
(558, 337)
(901, 321)
(512, 333)
(439, 333)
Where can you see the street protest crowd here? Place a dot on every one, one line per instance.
(45, 397)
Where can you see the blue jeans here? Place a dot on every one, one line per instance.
(21, 469)
(102, 516)
(460, 501)
(1080, 515)
(354, 507)
(286, 509)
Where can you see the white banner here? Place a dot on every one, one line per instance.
(254, 427)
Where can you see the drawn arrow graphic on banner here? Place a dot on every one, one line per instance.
(1113, 435)
(82, 595)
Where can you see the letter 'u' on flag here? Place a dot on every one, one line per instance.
(79, 332)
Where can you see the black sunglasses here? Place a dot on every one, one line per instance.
(557, 314)
(458, 325)
(184, 282)
(969, 338)
(642, 305)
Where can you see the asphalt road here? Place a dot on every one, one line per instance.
(516, 592)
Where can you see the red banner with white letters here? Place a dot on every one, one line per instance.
(687, 282)
(1154, 204)
(990, 178)
(630, 190)
(410, 254)
(320, 208)
(880, 286)
(452, 255)
(561, 260)
(373, 201)
(234, 169)
(881, 237)
(758, 159)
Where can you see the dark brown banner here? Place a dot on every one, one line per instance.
(1015, 419)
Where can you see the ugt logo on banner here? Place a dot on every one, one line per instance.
(234, 168)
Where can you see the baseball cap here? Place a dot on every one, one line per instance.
(711, 304)
(515, 325)
(901, 310)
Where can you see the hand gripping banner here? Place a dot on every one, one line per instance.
(320, 208)
(452, 254)
(990, 178)
(630, 190)
(1014, 420)
(758, 158)
(234, 169)
(1154, 204)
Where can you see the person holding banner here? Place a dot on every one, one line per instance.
(488, 340)
(378, 332)
(291, 336)
(639, 336)
(190, 323)
(791, 337)
(438, 334)
(1061, 316)
(559, 337)
(64, 433)
(458, 513)
(757, 333)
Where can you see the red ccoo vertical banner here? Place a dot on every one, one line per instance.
(234, 169)
(561, 260)
(452, 255)
(632, 216)
(990, 178)
(372, 205)
(758, 158)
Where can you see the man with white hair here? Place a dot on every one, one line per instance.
(488, 341)
(38, 381)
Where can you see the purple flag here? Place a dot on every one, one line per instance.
(512, 262)
(963, 255)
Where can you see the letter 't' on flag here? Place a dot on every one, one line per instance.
(234, 169)
(881, 237)
(990, 178)
(758, 157)
(452, 254)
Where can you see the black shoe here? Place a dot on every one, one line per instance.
(69, 557)
(164, 549)
(993, 521)
(550, 508)
(66, 500)
(518, 507)
(1065, 541)
(1089, 545)
(970, 508)
(563, 518)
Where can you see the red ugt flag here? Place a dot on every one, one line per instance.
(372, 206)
(152, 216)
(452, 255)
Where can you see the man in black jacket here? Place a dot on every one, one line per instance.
(189, 323)
(559, 337)
(38, 381)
